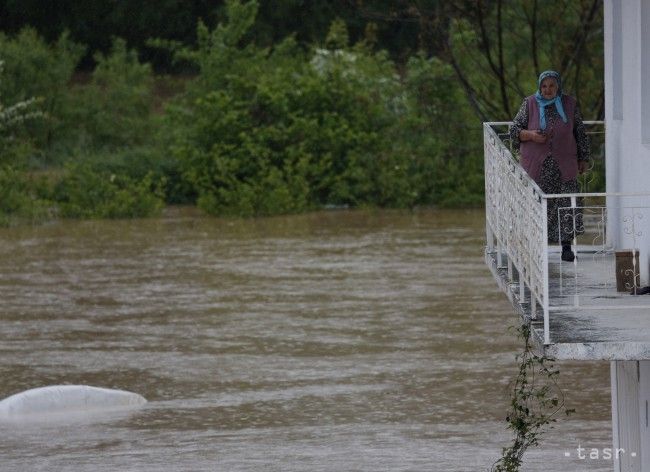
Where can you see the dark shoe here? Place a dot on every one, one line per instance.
(640, 291)
(567, 254)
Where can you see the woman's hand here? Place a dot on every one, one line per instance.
(538, 136)
(583, 166)
(529, 135)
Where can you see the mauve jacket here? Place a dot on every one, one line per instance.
(560, 143)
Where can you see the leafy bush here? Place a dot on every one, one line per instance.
(35, 69)
(84, 192)
(263, 132)
(21, 197)
(442, 136)
(258, 131)
(136, 162)
(115, 108)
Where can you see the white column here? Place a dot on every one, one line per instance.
(613, 25)
(643, 160)
(627, 119)
(644, 414)
(627, 415)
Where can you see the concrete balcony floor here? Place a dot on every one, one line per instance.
(588, 319)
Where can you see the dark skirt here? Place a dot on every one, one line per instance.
(564, 223)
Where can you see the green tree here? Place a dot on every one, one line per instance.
(497, 48)
(265, 131)
(115, 109)
(85, 192)
(34, 68)
(500, 48)
(17, 198)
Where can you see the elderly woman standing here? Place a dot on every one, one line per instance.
(550, 134)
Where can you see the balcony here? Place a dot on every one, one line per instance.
(575, 309)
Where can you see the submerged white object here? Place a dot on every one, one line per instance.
(67, 400)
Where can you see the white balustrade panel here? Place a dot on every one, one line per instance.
(515, 213)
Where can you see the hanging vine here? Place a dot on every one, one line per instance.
(536, 400)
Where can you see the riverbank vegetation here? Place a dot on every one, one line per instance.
(245, 120)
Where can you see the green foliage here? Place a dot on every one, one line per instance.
(16, 115)
(270, 126)
(20, 198)
(81, 192)
(85, 192)
(284, 130)
(14, 152)
(35, 69)
(500, 50)
(115, 109)
(594, 179)
(535, 402)
(441, 135)
(107, 126)
(337, 37)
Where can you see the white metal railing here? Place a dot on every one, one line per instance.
(515, 219)
(517, 236)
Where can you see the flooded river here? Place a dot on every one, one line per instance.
(335, 341)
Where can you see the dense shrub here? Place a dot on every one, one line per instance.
(285, 130)
(106, 127)
(22, 197)
(115, 109)
(84, 192)
(19, 199)
(258, 131)
(34, 68)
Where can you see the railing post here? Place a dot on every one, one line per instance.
(510, 276)
(574, 241)
(545, 304)
(499, 254)
(533, 306)
(489, 237)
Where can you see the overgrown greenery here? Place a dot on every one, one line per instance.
(263, 130)
(257, 131)
(114, 110)
(57, 165)
(87, 192)
(535, 402)
(95, 21)
(509, 59)
(266, 131)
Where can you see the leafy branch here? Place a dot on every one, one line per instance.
(16, 114)
(536, 400)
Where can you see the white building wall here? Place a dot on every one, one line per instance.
(627, 124)
(626, 428)
(627, 120)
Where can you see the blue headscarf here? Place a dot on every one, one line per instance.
(543, 103)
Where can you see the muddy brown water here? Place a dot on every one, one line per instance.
(332, 341)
